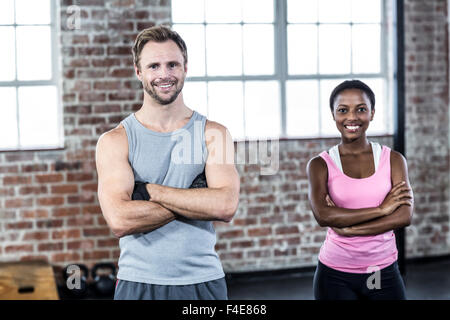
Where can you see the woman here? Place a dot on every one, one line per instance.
(360, 190)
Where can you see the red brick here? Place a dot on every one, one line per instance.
(37, 213)
(9, 169)
(34, 168)
(96, 255)
(76, 177)
(14, 180)
(19, 225)
(259, 232)
(66, 234)
(37, 235)
(47, 178)
(80, 221)
(51, 246)
(95, 232)
(112, 242)
(242, 244)
(286, 230)
(231, 234)
(50, 201)
(66, 257)
(18, 203)
(63, 189)
(80, 245)
(47, 224)
(36, 190)
(65, 212)
(19, 248)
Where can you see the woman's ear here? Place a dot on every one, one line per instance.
(372, 112)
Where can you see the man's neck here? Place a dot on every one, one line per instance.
(164, 118)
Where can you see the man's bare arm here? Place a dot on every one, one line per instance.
(115, 186)
(220, 200)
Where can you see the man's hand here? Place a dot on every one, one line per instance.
(140, 191)
(199, 181)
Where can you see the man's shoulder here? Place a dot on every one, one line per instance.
(116, 138)
(213, 125)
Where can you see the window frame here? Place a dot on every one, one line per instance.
(55, 80)
(281, 73)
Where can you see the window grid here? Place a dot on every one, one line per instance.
(281, 72)
(53, 81)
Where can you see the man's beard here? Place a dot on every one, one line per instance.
(163, 101)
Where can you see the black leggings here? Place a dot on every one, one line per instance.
(331, 284)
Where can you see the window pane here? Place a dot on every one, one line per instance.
(34, 53)
(8, 126)
(38, 116)
(225, 105)
(334, 10)
(302, 49)
(366, 11)
(7, 12)
(224, 50)
(188, 11)
(257, 10)
(7, 54)
(219, 11)
(194, 36)
(328, 126)
(366, 48)
(194, 96)
(334, 49)
(302, 111)
(301, 11)
(262, 109)
(258, 49)
(33, 12)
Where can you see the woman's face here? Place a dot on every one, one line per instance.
(352, 113)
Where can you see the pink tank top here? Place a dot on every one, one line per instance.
(365, 253)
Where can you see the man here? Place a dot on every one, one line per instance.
(167, 240)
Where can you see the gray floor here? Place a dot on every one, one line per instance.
(423, 281)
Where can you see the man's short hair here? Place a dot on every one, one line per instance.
(353, 84)
(157, 34)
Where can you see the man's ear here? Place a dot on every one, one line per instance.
(138, 73)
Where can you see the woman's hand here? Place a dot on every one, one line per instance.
(399, 195)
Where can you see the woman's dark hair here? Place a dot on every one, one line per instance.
(352, 84)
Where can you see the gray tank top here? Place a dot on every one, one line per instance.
(182, 251)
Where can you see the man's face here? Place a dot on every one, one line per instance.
(162, 71)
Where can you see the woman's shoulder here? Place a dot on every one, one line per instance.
(317, 163)
(397, 159)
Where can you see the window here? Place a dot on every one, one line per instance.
(266, 68)
(28, 84)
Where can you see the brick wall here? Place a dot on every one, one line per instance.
(48, 203)
(427, 125)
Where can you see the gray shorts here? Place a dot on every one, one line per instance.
(210, 290)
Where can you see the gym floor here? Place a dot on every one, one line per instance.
(424, 280)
